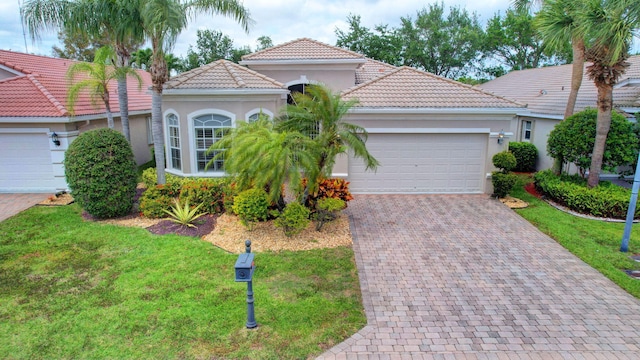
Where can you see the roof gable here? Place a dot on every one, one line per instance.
(407, 87)
(371, 70)
(222, 74)
(39, 89)
(303, 49)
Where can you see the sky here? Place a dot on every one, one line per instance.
(281, 20)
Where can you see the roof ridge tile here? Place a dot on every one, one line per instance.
(52, 99)
(300, 40)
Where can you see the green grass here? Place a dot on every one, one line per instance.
(75, 289)
(595, 242)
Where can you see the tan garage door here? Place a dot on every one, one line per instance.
(422, 163)
(25, 163)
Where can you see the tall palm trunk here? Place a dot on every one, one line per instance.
(107, 106)
(122, 59)
(577, 71)
(605, 103)
(158, 78)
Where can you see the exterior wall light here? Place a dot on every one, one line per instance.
(55, 140)
(501, 136)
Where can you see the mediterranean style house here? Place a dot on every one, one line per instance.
(36, 126)
(430, 134)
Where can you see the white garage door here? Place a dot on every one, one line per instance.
(25, 163)
(422, 163)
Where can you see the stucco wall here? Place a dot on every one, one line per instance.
(337, 78)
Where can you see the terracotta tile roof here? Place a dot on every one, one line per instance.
(222, 74)
(407, 87)
(303, 49)
(41, 89)
(371, 70)
(546, 90)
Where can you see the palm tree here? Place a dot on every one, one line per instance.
(609, 26)
(116, 20)
(95, 77)
(162, 22)
(319, 113)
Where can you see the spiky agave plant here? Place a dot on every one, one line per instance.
(184, 214)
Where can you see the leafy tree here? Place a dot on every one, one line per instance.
(448, 46)
(141, 59)
(609, 27)
(212, 45)
(78, 46)
(514, 41)
(162, 22)
(573, 139)
(264, 42)
(382, 44)
(95, 77)
(318, 113)
(117, 21)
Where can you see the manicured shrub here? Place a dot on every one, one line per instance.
(503, 183)
(101, 172)
(327, 210)
(526, 155)
(604, 200)
(158, 199)
(504, 161)
(293, 219)
(336, 188)
(572, 140)
(206, 192)
(150, 178)
(251, 206)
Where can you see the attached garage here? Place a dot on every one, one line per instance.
(25, 164)
(423, 163)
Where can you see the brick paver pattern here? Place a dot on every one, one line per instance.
(12, 204)
(464, 277)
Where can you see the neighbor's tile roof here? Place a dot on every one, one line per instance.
(303, 49)
(407, 87)
(222, 74)
(41, 89)
(546, 90)
(371, 70)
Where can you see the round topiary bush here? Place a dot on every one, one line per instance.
(505, 161)
(101, 173)
(526, 155)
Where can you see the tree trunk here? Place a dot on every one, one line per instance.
(107, 106)
(605, 102)
(123, 96)
(577, 71)
(158, 134)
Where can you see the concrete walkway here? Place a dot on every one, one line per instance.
(464, 277)
(11, 204)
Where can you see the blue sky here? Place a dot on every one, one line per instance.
(282, 20)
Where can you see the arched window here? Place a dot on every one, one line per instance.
(173, 143)
(254, 114)
(293, 89)
(208, 129)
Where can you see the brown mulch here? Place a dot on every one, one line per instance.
(202, 226)
(531, 189)
(57, 200)
(514, 203)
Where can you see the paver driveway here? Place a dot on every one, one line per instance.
(11, 204)
(464, 277)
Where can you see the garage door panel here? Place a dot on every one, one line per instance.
(26, 162)
(426, 163)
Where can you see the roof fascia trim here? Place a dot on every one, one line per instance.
(225, 92)
(370, 110)
(303, 62)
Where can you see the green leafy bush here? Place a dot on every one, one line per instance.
(156, 200)
(502, 183)
(327, 210)
(101, 172)
(251, 206)
(572, 140)
(293, 219)
(604, 200)
(336, 188)
(150, 178)
(504, 161)
(209, 193)
(526, 155)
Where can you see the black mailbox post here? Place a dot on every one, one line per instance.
(244, 273)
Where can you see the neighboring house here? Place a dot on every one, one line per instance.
(546, 90)
(430, 134)
(34, 112)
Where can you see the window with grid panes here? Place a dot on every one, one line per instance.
(207, 130)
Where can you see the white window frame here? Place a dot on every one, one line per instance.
(173, 147)
(193, 143)
(256, 112)
(525, 130)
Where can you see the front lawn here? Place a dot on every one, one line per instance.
(76, 289)
(595, 242)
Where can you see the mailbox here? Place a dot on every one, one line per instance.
(244, 267)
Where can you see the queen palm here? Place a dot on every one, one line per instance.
(117, 20)
(319, 114)
(95, 78)
(609, 26)
(162, 22)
